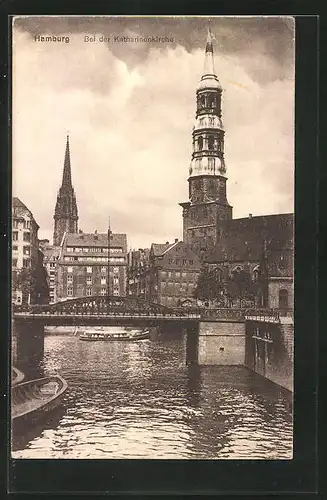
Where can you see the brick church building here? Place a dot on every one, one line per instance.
(257, 245)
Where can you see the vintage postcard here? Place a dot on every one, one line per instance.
(152, 237)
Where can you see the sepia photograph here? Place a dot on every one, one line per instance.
(152, 237)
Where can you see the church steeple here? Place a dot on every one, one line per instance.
(207, 173)
(67, 175)
(209, 63)
(66, 214)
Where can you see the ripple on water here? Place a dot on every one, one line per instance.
(141, 401)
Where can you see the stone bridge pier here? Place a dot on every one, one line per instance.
(28, 346)
(215, 343)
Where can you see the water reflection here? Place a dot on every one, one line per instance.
(140, 400)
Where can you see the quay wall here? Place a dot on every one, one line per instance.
(272, 360)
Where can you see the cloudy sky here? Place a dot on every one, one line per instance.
(129, 109)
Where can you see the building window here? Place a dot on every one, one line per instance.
(103, 291)
(103, 281)
(70, 249)
(27, 236)
(70, 291)
(27, 224)
(14, 262)
(116, 270)
(103, 269)
(53, 264)
(283, 299)
(89, 280)
(89, 292)
(69, 269)
(26, 250)
(116, 250)
(15, 236)
(116, 281)
(15, 247)
(26, 263)
(89, 269)
(69, 278)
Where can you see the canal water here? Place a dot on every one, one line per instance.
(140, 400)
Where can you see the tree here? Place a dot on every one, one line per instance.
(241, 286)
(24, 281)
(209, 286)
(32, 284)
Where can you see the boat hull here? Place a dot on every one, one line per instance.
(110, 338)
(17, 376)
(33, 408)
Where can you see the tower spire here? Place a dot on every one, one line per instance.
(209, 65)
(66, 213)
(209, 78)
(67, 175)
(207, 203)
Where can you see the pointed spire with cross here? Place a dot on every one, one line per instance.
(67, 175)
(209, 77)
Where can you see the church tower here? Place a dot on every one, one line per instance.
(66, 215)
(207, 203)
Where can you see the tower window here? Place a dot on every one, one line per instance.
(200, 142)
(211, 141)
(211, 165)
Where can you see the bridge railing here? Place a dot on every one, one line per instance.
(234, 314)
(179, 312)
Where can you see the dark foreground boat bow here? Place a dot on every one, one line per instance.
(33, 400)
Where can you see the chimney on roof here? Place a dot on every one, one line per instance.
(176, 239)
(95, 231)
(167, 242)
(80, 231)
(250, 216)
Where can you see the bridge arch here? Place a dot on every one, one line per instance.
(100, 304)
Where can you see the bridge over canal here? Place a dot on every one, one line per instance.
(213, 336)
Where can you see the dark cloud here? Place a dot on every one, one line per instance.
(130, 111)
(251, 36)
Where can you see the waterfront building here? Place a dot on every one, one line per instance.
(173, 273)
(207, 173)
(83, 265)
(28, 275)
(137, 272)
(66, 213)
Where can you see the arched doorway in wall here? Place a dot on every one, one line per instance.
(283, 298)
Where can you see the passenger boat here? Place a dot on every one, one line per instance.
(117, 334)
(17, 376)
(34, 399)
